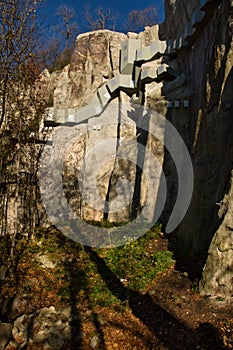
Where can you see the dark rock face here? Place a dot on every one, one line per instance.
(177, 14)
(208, 132)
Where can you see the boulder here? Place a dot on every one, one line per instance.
(5, 334)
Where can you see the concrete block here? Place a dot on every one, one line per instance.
(144, 74)
(138, 97)
(137, 74)
(158, 47)
(143, 54)
(79, 115)
(83, 114)
(126, 68)
(179, 43)
(128, 55)
(71, 111)
(173, 45)
(63, 112)
(139, 54)
(113, 84)
(71, 114)
(94, 101)
(204, 4)
(169, 104)
(189, 31)
(227, 105)
(164, 72)
(176, 44)
(162, 69)
(170, 49)
(126, 81)
(197, 17)
(161, 46)
(183, 41)
(148, 53)
(148, 75)
(121, 80)
(71, 118)
(60, 115)
(155, 50)
(104, 95)
(172, 86)
(124, 46)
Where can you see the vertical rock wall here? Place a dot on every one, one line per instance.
(177, 14)
(204, 78)
(95, 59)
(208, 132)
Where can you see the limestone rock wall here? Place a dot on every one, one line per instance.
(95, 60)
(217, 275)
(177, 14)
(208, 132)
(204, 78)
(99, 166)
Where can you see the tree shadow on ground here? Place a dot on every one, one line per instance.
(171, 332)
(78, 281)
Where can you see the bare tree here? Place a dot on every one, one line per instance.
(68, 26)
(138, 19)
(50, 52)
(56, 50)
(20, 112)
(100, 18)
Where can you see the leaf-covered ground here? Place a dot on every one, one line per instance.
(125, 298)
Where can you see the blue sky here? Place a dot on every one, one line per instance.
(121, 7)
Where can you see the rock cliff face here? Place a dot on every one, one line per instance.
(177, 14)
(208, 132)
(95, 60)
(197, 100)
(204, 80)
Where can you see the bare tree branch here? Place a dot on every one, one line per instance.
(138, 19)
(100, 18)
(20, 112)
(69, 25)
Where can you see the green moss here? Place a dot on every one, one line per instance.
(135, 263)
(77, 275)
(195, 286)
